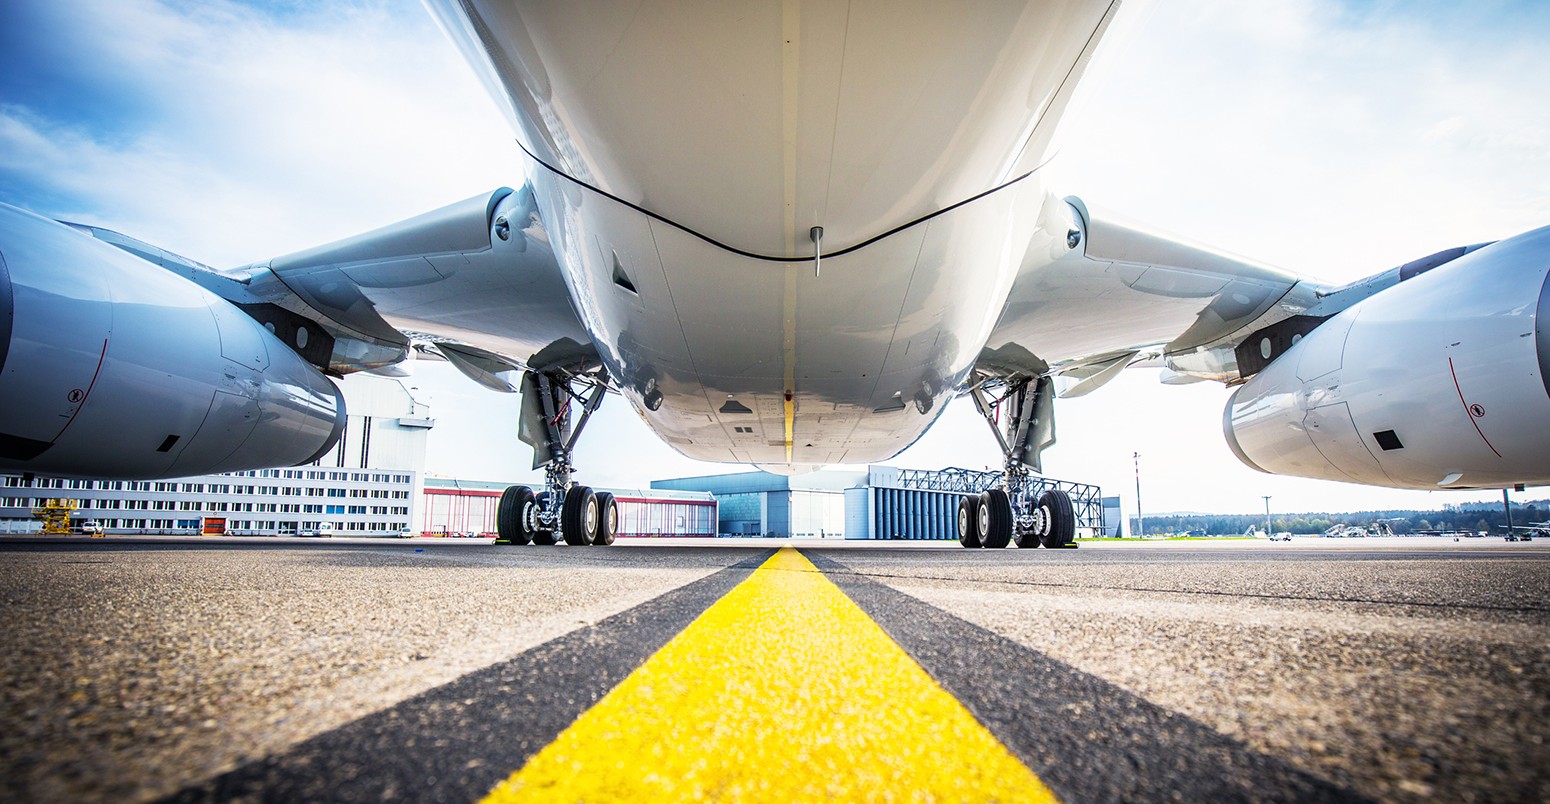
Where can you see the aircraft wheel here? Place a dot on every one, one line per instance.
(995, 519)
(516, 518)
(1056, 505)
(968, 515)
(608, 519)
(541, 535)
(578, 519)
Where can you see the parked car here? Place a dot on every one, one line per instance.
(91, 528)
(1282, 536)
(323, 531)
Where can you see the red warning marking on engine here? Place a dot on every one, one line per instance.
(89, 386)
(1475, 411)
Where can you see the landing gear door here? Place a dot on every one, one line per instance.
(1039, 428)
(532, 429)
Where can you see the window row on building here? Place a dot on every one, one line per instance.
(210, 507)
(250, 527)
(189, 487)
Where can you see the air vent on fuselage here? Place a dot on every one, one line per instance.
(893, 405)
(734, 406)
(1388, 440)
(621, 278)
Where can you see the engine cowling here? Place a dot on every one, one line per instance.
(1442, 381)
(111, 367)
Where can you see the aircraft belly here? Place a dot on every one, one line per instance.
(751, 122)
(736, 358)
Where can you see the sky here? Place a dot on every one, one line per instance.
(1334, 139)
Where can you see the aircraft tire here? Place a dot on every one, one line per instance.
(607, 519)
(968, 513)
(1062, 518)
(578, 519)
(514, 515)
(995, 519)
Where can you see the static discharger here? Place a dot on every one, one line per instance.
(817, 234)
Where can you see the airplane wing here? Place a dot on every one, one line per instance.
(1123, 296)
(227, 370)
(1114, 295)
(475, 282)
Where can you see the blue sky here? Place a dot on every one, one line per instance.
(1333, 139)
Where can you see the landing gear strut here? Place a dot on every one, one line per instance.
(1010, 512)
(563, 509)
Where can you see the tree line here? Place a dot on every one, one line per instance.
(1470, 517)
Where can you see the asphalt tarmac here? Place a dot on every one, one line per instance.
(437, 670)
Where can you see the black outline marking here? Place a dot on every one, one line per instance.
(767, 257)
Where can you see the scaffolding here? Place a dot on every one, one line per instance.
(1086, 499)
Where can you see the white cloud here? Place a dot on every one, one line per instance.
(1297, 132)
(270, 136)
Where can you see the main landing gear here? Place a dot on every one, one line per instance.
(1015, 510)
(563, 509)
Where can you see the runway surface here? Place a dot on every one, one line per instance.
(434, 670)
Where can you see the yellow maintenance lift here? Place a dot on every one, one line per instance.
(55, 513)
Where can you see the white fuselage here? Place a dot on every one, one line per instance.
(682, 154)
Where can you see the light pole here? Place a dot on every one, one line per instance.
(1140, 520)
(1267, 515)
(1507, 506)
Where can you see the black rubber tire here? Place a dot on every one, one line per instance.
(995, 519)
(511, 516)
(1062, 518)
(968, 512)
(607, 519)
(578, 519)
(542, 536)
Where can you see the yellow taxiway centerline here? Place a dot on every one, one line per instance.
(782, 690)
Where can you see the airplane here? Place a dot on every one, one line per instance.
(1529, 531)
(787, 235)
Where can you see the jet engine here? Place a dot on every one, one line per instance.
(1442, 381)
(111, 367)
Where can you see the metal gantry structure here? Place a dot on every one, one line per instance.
(1086, 499)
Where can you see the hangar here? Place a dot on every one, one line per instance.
(878, 502)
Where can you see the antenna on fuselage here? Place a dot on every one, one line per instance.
(817, 234)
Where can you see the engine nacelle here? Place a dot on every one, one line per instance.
(111, 367)
(1442, 381)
